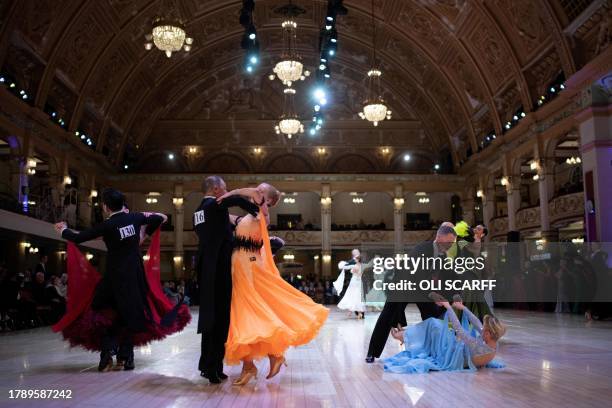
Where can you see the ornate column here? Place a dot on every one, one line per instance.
(86, 194)
(398, 219)
(544, 168)
(595, 126)
(179, 221)
(467, 207)
(326, 203)
(513, 193)
(487, 196)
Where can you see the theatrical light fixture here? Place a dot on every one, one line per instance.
(572, 161)
(357, 200)
(385, 150)
(424, 200)
(67, 180)
(479, 194)
(89, 256)
(321, 150)
(257, 150)
(288, 257)
(151, 200)
(534, 165)
(504, 181)
(171, 156)
(289, 200)
(193, 150)
(94, 193)
(168, 32)
(407, 157)
(436, 167)
(177, 258)
(536, 177)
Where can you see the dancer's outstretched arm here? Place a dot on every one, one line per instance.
(250, 192)
(76, 236)
(476, 323)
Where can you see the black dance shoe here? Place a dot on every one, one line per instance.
(369, 359)
(213, 378)
(106, 362)
(129, 364)
(221, 375)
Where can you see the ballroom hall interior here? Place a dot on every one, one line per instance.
(376, 120)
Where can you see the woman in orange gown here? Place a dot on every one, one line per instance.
(268, 315)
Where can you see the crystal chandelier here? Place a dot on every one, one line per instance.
(290, 68)
(168, 34)
(289, 123)
(375, 109)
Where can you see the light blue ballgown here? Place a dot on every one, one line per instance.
(432, 345)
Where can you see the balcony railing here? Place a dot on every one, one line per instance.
(528, 218)
(566, 207)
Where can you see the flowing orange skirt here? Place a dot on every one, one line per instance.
(268, 315)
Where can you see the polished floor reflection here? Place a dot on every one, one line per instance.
(553, 361)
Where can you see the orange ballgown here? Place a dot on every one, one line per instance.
(268, 315)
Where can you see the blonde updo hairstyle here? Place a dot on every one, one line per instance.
(271, 194)
(495, 328)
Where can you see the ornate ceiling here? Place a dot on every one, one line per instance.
(453, 71)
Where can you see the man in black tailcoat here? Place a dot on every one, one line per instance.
(212, 225)
(393, 312)
(123, 287)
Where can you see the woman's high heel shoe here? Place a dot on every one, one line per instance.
(245, 377)
(275, 365)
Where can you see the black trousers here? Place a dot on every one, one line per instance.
(393, 313)
(213, 340)
(111, 341)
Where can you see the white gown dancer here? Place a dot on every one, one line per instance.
(353, 299)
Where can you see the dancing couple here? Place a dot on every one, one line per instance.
(126, 306)
(247, 310)
(429, 344)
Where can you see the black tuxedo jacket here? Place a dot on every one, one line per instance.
(124, 280)
(213, 228)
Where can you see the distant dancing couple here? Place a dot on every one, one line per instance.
(247, 310)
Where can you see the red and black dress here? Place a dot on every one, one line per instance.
(128, 301)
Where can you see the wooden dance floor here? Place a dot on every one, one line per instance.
(552, 361)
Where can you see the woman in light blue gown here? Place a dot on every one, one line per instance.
(432, 346)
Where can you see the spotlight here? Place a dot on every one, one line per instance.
(319, 93)
(515, 117)
(249, 68)
(407, 157)
(329, 18)
(12, 85)
(322, 67)
(553, 89)
(523, 114)
(317, 108)
(171, 156)
(313, 131)
(331, 52)
(323, 101)
(2, 79)
(562, 86)
(125, 166)
(328, 27)
(437, 167)
(251, 32)
(253, 59)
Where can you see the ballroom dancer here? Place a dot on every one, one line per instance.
(345, 278)
(353, 299)
(430, 346)
(268, 315)
(211, 223)
(393, 312)
(122, 309)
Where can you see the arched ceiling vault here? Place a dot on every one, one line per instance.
(464, 64)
